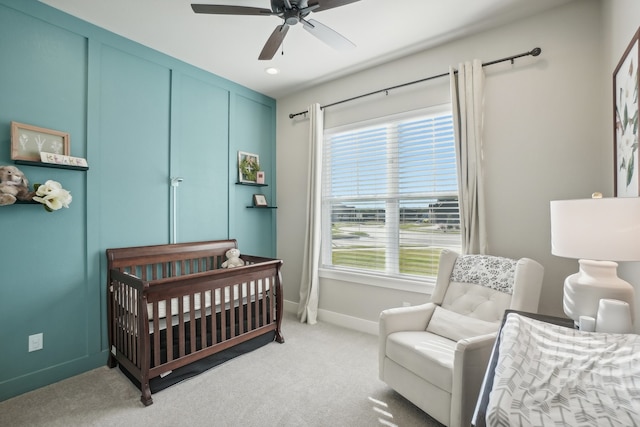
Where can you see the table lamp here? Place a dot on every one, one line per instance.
(598, 232)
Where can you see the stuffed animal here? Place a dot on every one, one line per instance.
(233, 259)
(13, 186)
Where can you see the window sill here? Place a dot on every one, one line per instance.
(425, 287)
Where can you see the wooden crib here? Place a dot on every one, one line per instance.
(172, 305)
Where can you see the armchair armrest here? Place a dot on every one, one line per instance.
(469, 365)
(414, 318)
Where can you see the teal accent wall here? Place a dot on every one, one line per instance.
(139, 117)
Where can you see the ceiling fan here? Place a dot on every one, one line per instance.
(291, 12)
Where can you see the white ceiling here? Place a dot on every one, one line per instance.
(228, 45)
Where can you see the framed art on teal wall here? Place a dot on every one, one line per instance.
(260, 201)
(248, 167)
(27, 142)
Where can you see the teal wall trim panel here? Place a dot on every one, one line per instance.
(199, 156)
(43, 84)
(254, 228)
(134, 150)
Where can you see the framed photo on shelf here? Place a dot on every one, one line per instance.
(27, 142)
(248, 167)
(260, 201)
(626, 177)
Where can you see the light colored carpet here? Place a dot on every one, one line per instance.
(323, 375)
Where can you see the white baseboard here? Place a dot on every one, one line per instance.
(290, 307)
(338, 319)
(349, 322)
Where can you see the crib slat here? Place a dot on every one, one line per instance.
(203, 320)
(232, 311)
(214, 316)
(240, 309)
(127, 324)
(263, 302)
(223, 314)
(156, 335)
(256, 304)
(169, 329)
(192, 321)
(117, 321)
(181, 331)
(133, 326)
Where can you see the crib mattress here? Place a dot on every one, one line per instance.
(223, 298)
(240, 292)
(551, 375)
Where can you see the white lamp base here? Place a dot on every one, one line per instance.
(594, 281)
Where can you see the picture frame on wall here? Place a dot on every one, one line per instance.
(28, 141)
(625, 126)
(260, 201)
(248, 167)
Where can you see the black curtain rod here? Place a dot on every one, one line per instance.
(534, 52)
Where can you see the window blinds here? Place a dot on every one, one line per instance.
(390, 194)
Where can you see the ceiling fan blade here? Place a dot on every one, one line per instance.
(327, 35)
(329, 4)
(229, 10)
(273, 43)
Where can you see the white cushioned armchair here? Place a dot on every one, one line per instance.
(435, 354)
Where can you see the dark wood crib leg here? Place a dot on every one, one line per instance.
(279, 308)
(112, 362)
(146, 394)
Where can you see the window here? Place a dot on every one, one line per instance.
(390, 195)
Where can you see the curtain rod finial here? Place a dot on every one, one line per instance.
(535, 52)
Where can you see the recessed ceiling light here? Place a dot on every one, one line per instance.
(272, 70)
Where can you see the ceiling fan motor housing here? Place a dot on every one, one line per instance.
(280, 6)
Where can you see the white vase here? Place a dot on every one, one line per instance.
(614, 316)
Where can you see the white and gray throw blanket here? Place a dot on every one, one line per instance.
(549, 375)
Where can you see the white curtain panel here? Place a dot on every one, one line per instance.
(467, 96)
(309, 284)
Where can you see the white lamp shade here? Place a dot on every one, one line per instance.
(597, 229)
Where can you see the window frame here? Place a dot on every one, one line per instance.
(419, 284)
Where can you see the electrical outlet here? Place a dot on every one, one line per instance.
(35, 342)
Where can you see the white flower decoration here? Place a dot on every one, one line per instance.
(52, 196)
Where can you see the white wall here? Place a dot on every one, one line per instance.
(620, 21)
(544, 125)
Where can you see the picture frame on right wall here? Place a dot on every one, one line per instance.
(626, 175)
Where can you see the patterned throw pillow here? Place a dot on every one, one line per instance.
(490, 271)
